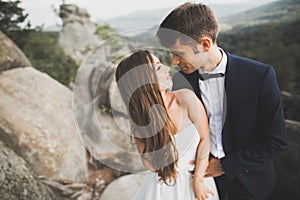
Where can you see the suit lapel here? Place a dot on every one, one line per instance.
(231, 76)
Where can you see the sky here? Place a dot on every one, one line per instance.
(41, 12)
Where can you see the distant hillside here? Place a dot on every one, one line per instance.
(271, 13)
(276, 12)
(147, 18)
(150, 18)
(274, 44)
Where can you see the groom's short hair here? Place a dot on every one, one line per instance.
(193, 20)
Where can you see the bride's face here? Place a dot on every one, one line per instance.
(163, 74)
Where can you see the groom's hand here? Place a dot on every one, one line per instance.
(214, 168)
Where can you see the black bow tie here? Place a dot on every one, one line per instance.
(208, 76)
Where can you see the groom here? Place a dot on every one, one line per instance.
(242, 101)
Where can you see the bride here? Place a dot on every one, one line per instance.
(169, 131)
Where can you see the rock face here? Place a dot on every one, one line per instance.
(95, 89)
(77, 37)
(287, 166)
(291, 105)
(10, 55)
(116, 149)
(123, 188)
(36, 120)
(16, 180)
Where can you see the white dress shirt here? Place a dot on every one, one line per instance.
(212, 93)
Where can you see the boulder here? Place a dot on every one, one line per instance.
(116, 100)
(94, 77)
(287, 166)
(104, 132)
(36, 121)
(291, 105)
(108, 140)
(123, 188)
(11, 56)
(77, 37)
(17, 181)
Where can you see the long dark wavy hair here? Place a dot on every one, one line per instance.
(152, 126)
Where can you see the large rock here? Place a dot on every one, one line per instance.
(108, 140)
(16, 179)
(291, 105)
(94, 77)
(105, 135)
(77, 36)
(10, 55)
(123, 188)
(36, 120)
(116, 100)
(287, 166)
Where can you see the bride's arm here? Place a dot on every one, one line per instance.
(197, 114)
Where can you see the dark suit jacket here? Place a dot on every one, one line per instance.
(254, 130)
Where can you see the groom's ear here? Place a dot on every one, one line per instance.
(205, 42)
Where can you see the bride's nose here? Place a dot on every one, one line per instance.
(167, 68)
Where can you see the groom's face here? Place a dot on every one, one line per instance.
(185, 58)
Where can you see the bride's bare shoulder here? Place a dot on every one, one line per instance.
(185, 95)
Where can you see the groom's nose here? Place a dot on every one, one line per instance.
(175, 59)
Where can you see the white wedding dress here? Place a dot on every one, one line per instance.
(187, 142)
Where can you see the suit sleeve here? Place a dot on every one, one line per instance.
(180, 82)
(270, 127)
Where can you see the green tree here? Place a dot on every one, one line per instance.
(274, 44)
(11, 15)
(40, 48)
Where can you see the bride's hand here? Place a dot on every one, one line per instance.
(200, 190)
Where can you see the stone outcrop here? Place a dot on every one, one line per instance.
(10, 55)
(287, 166)
(77, 36)
(123, 188)
(291, 105)
(94, 91)
(108, 140)
(16, 179)
(36, 121)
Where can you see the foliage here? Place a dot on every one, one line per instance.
(11, 15)
(110, 36)
(105, 31)
(105, 109)
(40, 48)
(274, 44)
